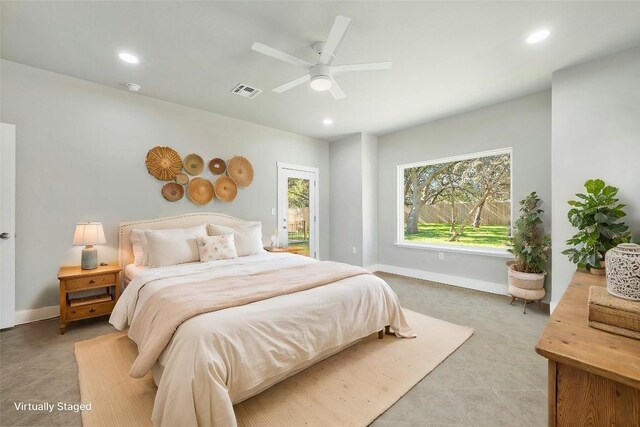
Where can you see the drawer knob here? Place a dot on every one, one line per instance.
(73, 312)
(92, 310)
(92, 281)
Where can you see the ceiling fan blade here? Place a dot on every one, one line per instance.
(374, 66)
(336, 91)
(292, 83)
(336, 35)
(275, 53)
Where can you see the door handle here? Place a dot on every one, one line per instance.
(4, 236)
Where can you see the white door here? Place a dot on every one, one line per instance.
(298, 208)
(7, 224)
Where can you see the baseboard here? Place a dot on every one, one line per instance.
(372, 268)
(463, 282)
(27, 316)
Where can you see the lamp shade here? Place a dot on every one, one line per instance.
(89, 233)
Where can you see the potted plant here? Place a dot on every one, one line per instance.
(597, 217)
(530, 248)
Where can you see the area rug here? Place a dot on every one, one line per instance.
(351, 388)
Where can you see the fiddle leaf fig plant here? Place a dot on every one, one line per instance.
(597, 217)
(529, 245)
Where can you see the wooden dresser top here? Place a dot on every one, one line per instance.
(569, 339)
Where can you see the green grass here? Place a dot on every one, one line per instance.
(485, 235)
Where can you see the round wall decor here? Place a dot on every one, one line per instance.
(182, 179)
(240, 170)
(200, 191)
(193, 164)
(226, 189)
(217, 166)
(163, 163)
(172, 191)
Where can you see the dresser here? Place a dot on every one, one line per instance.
(594, 376)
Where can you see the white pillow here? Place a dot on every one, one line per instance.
(139, 242)
(214, 248)
(247, 237)
(177, 246)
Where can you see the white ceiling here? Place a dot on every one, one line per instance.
(447, 57)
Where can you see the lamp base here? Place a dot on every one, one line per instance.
(89, 258)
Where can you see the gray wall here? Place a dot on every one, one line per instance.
(80, 156)
(369, 199)
(346, 199)
(596, 134)
(354, 199)
(523, 123)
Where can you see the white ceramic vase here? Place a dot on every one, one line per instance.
(623, 271)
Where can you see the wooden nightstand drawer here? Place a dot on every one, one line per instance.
(90, 310)
(90, 282)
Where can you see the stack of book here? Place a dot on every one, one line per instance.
(613, 314)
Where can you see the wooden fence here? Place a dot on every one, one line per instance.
(298, 223)
(493, 213)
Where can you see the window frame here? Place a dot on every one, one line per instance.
(474, 250)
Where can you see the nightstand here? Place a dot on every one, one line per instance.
(290, 249)
(73, 280)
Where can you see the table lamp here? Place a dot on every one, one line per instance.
(88, 234)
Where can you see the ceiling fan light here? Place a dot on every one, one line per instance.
(321, 83)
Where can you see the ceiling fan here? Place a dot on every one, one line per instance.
(321, 73)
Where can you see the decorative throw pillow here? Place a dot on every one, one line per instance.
(247, 237)
(214, 248)
(177, 246)
(139, 242)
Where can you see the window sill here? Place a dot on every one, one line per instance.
(499, 253)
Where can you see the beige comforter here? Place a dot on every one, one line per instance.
(217, 359)
(169, 308)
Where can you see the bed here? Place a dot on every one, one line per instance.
(216, 359)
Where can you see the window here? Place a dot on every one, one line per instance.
(460, 203)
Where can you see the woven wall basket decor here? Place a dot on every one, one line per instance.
(217, 166)
(182, 179)
(164, 163)
(200, 191)
(226, 189)
(193, 164)
(172, 191)
(240, 170)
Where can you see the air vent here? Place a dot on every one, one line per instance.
(246, 91)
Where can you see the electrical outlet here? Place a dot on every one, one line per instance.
(441, 256)
(273, 211)
(355, 250)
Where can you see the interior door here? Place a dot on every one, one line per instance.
(7, 224)
(298, 208)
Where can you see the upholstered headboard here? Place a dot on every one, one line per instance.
(125, 250)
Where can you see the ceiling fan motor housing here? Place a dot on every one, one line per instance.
(320, 77)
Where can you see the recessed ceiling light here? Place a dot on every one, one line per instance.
(538, 36)
(327, 122)
(133, 87)
(128, 57)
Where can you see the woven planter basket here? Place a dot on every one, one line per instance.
(530, 281)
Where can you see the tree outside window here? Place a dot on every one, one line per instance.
(462, 201)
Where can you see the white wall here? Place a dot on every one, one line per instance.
(523, 123)
(346, 199)
(596, 134)
(80, 156)
(369, 200)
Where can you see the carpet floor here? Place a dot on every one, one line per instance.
(494, 379)
(351, 388)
